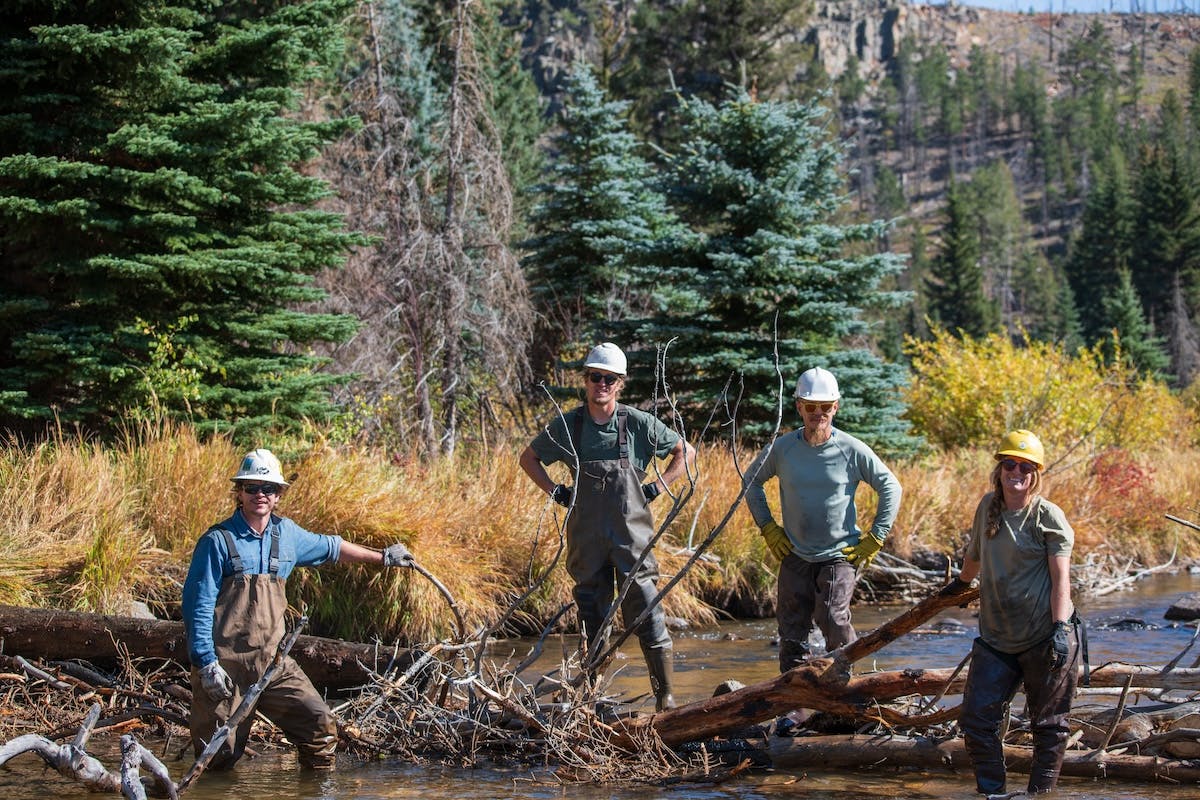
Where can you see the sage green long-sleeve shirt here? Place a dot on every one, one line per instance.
(816, 492)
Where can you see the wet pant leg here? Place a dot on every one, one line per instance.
(206, 716)
(652, 634)
(834, 591)
(991, 683)
(1048, 694)
(292, 703)
(594, 594)
(796, 597)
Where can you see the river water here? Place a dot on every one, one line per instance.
(704, 658)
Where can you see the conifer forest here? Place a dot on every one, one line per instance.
(404, 222)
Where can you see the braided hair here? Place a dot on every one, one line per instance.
(996, 506)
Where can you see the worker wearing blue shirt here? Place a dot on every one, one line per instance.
(234, 602)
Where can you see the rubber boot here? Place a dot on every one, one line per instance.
(662, 669)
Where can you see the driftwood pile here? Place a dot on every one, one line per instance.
(448, 705)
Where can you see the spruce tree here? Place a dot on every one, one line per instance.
(1139, 347)
(1166, 236)
(954, 286)
(158, 231)
(599, 225)
(769, 267)
(1103, 246)
(700, 47)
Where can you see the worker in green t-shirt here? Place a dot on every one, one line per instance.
(611, 448)
(1020, 548)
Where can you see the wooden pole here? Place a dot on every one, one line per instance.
(244, 709)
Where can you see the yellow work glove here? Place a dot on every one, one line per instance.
(862, 554)
(777, 539)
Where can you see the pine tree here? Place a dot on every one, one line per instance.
(598, 226)
(701, 47)
(954, 287)
(768, 267)
(1103, 246)
(1022, 283)
(1166, 236)
(158, 233)
(1139, 347)
(447, 304)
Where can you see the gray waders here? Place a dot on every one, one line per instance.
(248, 625)
(607, 531)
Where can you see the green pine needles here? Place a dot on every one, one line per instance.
(158, 232)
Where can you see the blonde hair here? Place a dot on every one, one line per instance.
(997, 504)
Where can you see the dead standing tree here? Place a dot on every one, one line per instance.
(442, 298)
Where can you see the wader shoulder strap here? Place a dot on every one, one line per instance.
(622, 432)
(235, 558)
(273, 565)
(623, 435)
(577, 441)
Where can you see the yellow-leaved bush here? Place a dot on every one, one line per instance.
(967, 392)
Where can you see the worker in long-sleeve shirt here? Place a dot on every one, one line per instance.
(819, 544)
(233, 614)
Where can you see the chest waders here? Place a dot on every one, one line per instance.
(607, 531)
(248, 625)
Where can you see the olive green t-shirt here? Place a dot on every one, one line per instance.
(1014, 576)
(645, 435)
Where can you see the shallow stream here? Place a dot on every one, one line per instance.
(1127, 626)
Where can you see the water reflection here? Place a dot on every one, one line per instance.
(740, 651)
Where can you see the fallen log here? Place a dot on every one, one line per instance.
(48, 635)
(857, 751)
(823, 685)
(820, 684)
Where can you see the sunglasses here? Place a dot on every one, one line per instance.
(1024, 466)
(812, 408)
(600, 377)
(260, 488)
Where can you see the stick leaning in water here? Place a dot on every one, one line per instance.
(244, 709)
(800, 687)
(458, 617)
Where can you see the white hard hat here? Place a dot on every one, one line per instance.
(817, 385)
(260, 465)
(606, 356)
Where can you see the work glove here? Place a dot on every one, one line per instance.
(397, 555)
(862, 554)
(216, 682)
(955, 587)
(651, 490)
(777, 539)
(562, 495)
(1060, 645)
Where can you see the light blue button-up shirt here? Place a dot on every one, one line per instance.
(211, 564)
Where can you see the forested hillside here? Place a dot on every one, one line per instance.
(392, 220)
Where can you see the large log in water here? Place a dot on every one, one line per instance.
(51, 635)
(819, 684)
(825, 685)
(841, 752)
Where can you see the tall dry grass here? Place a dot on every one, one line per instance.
(94, 527)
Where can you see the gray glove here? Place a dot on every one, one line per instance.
(1060, 646)
(216, 682)
(397, 555)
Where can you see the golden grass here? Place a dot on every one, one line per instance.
(93, 527)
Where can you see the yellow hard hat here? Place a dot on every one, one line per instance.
(1022, 444)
